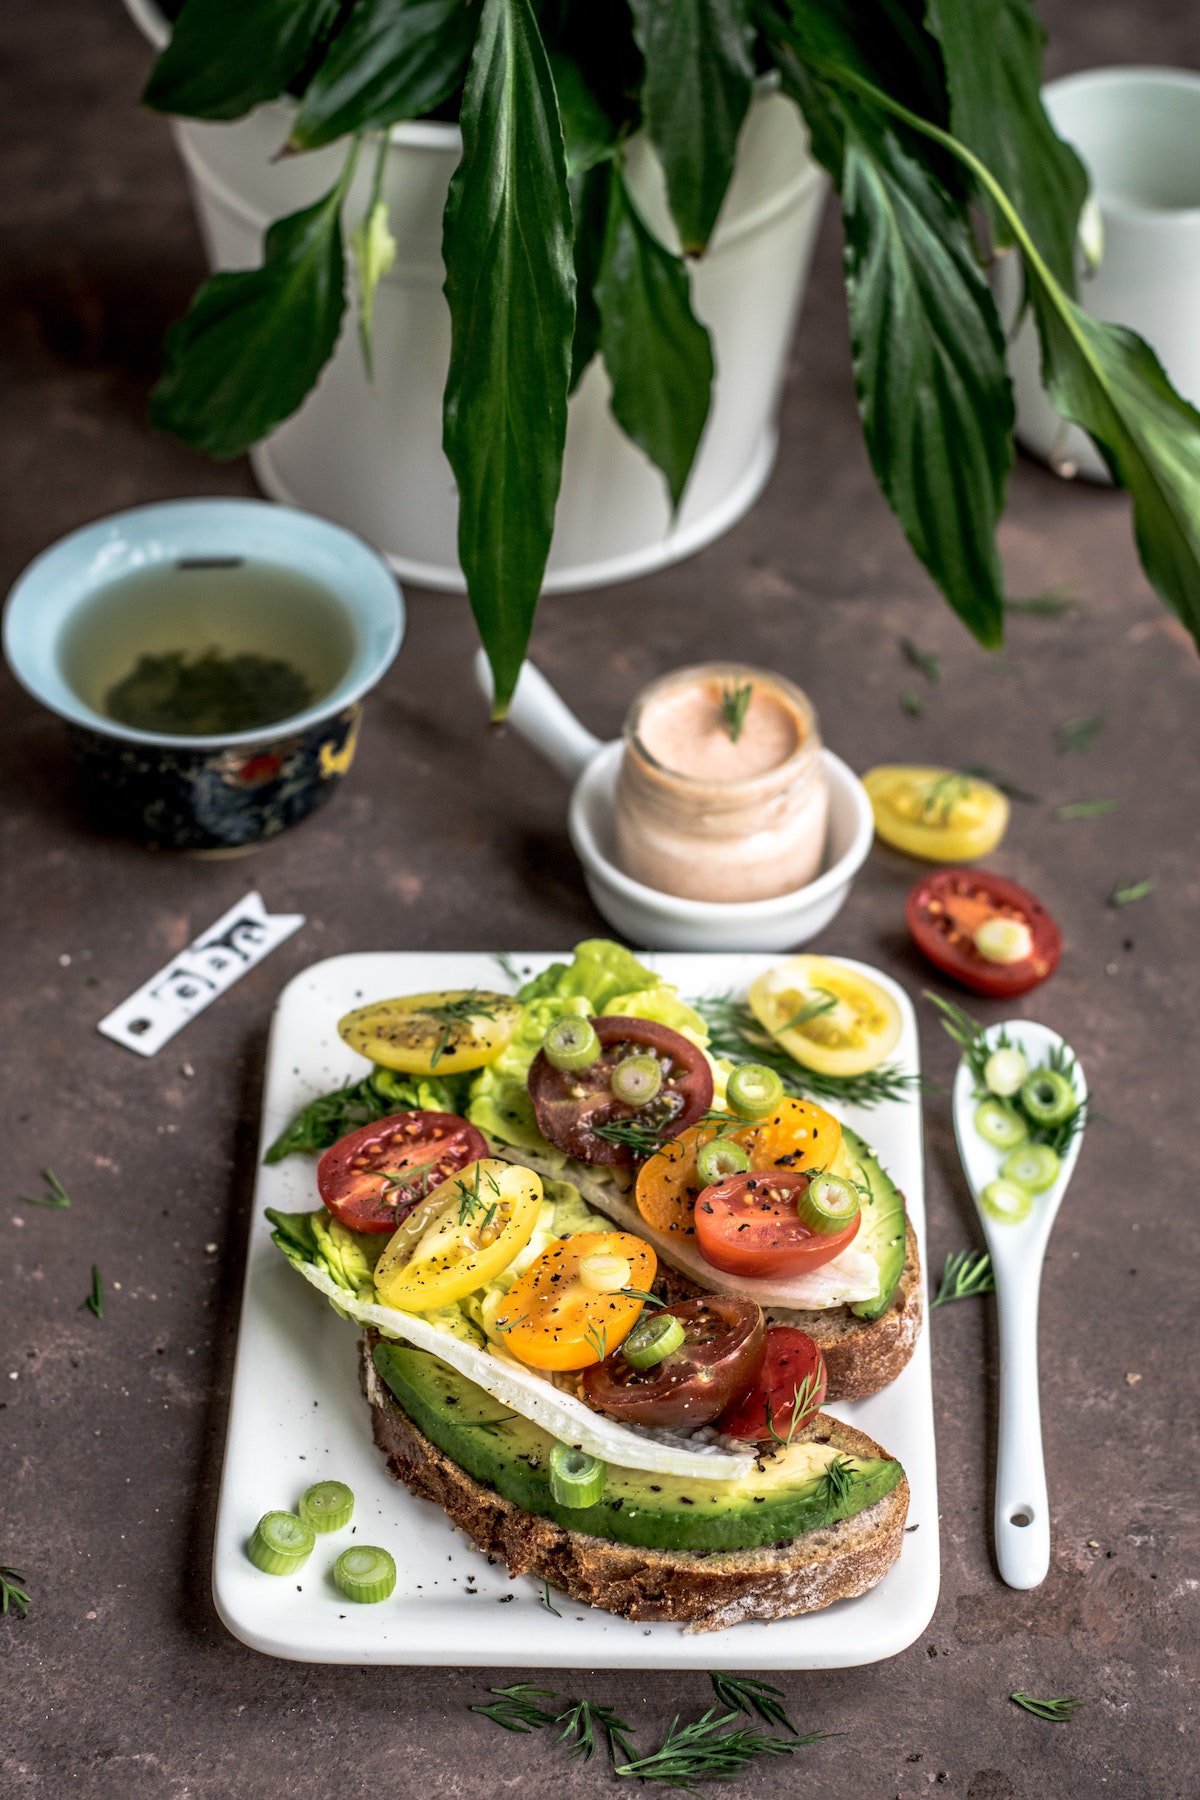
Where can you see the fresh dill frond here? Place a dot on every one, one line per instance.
(1088, 809)
(515, 1709)
(55, 1195)
(747, 1696)
(597, 1338)
(546, 1601)
(12, 1593)
(967, 1272)
(707, 1751)
(1125, 893)
(452, 1013)
(912, 704)
(812, 1009)
(95, 1300)
(803, 1396)
(632, 1134)
(1077, 734)
(929, 665)
(735, 704)
(971, 1038)
(646, 1299)
(737, 1036)
(942, 797)
(838, 1478)
(580, 1723)
(1057, 1711)
(505, 962)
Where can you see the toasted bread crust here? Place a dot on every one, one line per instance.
(703, 1592)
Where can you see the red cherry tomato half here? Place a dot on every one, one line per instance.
(788, 1393)
(372, 1179)
(721, 1354)
(748, 1225)
(946, 908)
(570, 1103)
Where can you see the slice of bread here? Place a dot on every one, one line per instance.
(702, 1591)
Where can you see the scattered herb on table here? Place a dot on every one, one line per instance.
(1088, 809)
(736, 1035)
(747, 1696)
(735, 704)
(1052, 603)
(12, 1593)
(967, 1273)
(579, 1724)
(56, 1194)
(985, 772)
(1125, 893)
(706, 1751)
(1057, 1711)
(912, 704)
(515, 1709)
(95, 1300)
(1077, 734)
(929, 665)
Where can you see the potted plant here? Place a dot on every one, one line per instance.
(925, 113)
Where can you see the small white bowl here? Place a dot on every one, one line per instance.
(658, 921)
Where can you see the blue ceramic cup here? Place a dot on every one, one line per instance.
(218, 793)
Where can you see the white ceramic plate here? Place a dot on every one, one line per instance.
(297, 1415)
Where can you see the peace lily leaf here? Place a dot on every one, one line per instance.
(588, 132)
(658, 355)
(997, 111)
(699, 75)
(929, 368)
(253, 343)
(510, 282)
(589, 211)
(374, 250)
(226, 56)
(392, 60)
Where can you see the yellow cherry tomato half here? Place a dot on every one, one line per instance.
(551, 1317)
(463, 1236)
(433, 1034)
(828, 1017)
(796, 1134)
(936, 814)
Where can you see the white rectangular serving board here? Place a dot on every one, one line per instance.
(297, 1415)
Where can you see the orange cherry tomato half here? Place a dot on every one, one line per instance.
(797, 1135)
(788, 1393)
(372, 1179)
(552, 1320)
(748, 1225)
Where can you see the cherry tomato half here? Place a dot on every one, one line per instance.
(788, 1393)
(372, 1179)
(748, 1225)
(552, 1320)
(571, 1103)
(724, 1341)
(944, 911)
(796, 1135)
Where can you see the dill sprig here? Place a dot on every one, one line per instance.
(735, 704)
(515, 1709)
(597, 1338)
(1125, 893)
(632, 1134)
(504, 961)
(95, 1300)
(943, 795)
(1088, 809)
(706, 1751)
(752, 1697)
(632, 1293)
(12, 1593)
(56, 1194)
(579, 1725)
(395, 1179)
(470, 1198)
(546, 1600)
(1077, 734)
(912, 704)
(803, 1396)
(473, 1005)
(737, 1036)
(485, 1424)
(838, 1479)
(812, 1009)
(971, 1038)
(929, 665)
(1057, 1711)
(967, 1272)
(997, 778)
(506, 1325)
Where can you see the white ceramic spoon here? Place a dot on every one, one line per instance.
(1022, 1516)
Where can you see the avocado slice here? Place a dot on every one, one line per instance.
(507, 1452)
(882, 1230)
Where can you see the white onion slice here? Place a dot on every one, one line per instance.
(528, 1393)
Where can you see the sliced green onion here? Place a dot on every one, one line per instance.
(827, 1204)
(571, 1043)
(1033, 1166)
(576, 1479)
(1048, 1097)
(327, 1505)
(753, 1090)
(1006, 1201)
(636, 1080)
(1004, 1071)
(652, 1340)
(605, 1274)
(1000, 1124)
(1004, 940)
(281, 1543)
(365, 1573)
(719, 1159)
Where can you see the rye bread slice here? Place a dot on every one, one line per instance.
(701, 1591)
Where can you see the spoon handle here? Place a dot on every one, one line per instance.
(1022, 1550)
(543, 719)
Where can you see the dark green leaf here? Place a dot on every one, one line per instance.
(589, 211)
(510, 282)
(929, 367)
(697, 86)
(226, 56)
(253, 343)
(392, 60)
(993, 57)
(588, 132)
(659, 357)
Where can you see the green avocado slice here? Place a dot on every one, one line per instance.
(509, 1453)
(882, 1230)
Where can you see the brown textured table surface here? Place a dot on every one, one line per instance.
(122, 1682)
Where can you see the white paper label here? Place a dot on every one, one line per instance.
(193, 979)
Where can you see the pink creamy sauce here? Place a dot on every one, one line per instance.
(684, 729)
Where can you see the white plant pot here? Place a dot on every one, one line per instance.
(370, 456)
